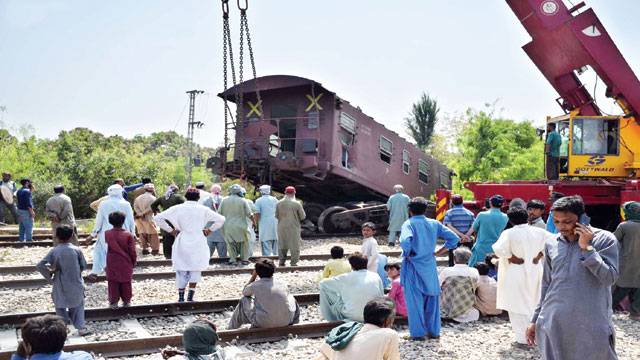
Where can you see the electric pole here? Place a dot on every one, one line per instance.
(192, 125)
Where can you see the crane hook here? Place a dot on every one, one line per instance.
(225, 8)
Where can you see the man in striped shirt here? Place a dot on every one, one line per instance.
(459, 220)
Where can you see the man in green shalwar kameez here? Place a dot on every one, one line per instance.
(236, 227)
(290, 215)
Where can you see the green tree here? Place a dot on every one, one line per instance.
(497, 149)
(87, 162)
(422, 120)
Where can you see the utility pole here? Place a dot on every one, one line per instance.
(192, 125)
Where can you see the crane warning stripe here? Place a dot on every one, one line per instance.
(440, 209)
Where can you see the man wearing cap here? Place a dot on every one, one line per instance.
(236, 226)
(397, 205)
(290, 215)
(26, 212)
(60, 211)
(114, 202)
(488, 226)
(144, 220)
(204, 195)
(459, 220)
(252, 223)
(9, 189)
(265, 216)
(170, 198)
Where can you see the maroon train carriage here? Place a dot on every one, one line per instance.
(339, 158)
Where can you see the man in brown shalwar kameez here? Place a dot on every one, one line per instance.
(59, 210)
(144, 220)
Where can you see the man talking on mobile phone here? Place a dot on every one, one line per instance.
(573, 318)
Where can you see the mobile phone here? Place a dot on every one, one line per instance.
(584, 219)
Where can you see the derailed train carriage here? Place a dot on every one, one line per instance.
(294, 131)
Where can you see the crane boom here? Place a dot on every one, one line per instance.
(564, 42)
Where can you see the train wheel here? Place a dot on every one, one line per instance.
(326, 223)
(313, 211)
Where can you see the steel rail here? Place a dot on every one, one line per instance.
(149, 345)
(39, 282)
(36, 236)
(151, 310)
(11, 241)
(149, 263)
(154, 344)
(31, 283)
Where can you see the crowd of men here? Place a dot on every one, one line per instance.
(552, 278)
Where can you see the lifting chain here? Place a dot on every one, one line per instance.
(228, 61)
(227, 57)
(243, 19)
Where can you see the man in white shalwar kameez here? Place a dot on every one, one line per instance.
(190, 251)
(520, 250)
(114, 202)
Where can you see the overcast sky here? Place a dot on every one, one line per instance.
(123, 66)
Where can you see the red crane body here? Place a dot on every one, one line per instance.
(565, 41)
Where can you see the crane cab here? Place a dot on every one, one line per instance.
(598, 146)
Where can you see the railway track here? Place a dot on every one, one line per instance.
(43, 240)
(145, 343)
(153, 263)
(151, 310)
(36, 282)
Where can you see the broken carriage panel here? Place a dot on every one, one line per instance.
(305, 135)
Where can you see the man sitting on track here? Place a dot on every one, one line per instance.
(459, 284)
(373, 340)
(43, 338)
(265, 302)
(344, 296)
(199, 340)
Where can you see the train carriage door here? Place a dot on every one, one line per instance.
(347, 133)
(285, 117)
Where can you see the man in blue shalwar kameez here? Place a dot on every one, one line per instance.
(419, 276)
(488, 226)
(113, 203)
(397, 207)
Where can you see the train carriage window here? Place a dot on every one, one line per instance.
(445, 178)
(386, 149)
(593, 136)
(348, 122)
(405, 162)
(423, 171)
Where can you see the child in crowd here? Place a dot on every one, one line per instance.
(121, 257)
(370, 246)
(487, 292)
(63, 267)
(337, 265)
(491, 261)
(396, 293)
(43, 337)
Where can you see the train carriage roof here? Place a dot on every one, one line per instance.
(271, 82)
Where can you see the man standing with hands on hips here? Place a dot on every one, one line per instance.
(573, 319)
